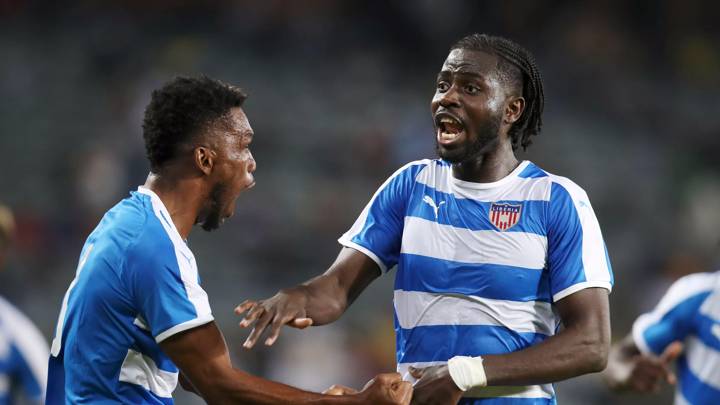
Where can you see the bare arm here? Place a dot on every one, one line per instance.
(318, 301)
(580, 348)
(202, 356)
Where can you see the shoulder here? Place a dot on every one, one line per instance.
(688, 287)
(564, 188)
(152, 244)
(410, 170)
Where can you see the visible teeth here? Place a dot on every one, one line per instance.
(447, 120)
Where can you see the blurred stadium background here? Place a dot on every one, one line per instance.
(339, 98)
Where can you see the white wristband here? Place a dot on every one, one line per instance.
(467, 372)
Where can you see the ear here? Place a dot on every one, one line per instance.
(204, 159)
(514, 110)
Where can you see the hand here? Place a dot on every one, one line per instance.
(387, 389)
(337, 389)
(287, 307)
(434, 386)
(648, 373)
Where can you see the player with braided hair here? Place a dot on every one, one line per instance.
(493, 254)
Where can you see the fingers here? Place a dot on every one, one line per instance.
(277, 324)
(404, 392)
(301, 323)
(671, 352)
(338, 389)
(244, 306)
(254, 312)
(416, 372)
(258, 329)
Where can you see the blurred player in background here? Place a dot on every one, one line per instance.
(23, 349)
(493, 255)
(685, 326)
(135, 315)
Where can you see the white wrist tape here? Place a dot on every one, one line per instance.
(467, 372)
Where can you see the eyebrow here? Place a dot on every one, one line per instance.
(445, 73)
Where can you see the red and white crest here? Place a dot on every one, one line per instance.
(505, 216)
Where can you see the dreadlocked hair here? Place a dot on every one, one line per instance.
(516, 66)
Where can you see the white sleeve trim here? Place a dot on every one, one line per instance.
(581, 286)
(193, 323)
(348, 243)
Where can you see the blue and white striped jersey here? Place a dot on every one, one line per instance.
(23, 355)
(136, 284)
(690, 313)
(479, 265)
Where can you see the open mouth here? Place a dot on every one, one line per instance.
(449, 128)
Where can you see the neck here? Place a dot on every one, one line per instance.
(181, 197)
(487, 167)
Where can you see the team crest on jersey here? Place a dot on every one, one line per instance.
(505, 216)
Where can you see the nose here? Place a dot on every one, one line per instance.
(450, 98)
(252, 165)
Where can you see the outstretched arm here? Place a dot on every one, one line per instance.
(202, 356)
(318, 301)
(580, 348)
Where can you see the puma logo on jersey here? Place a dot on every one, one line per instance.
(429, 201)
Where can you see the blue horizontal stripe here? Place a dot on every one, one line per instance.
(703, 331)
(694, 389)
(507, 401)
(441, 342)
(473, 214)
(427, 274)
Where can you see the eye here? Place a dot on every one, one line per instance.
(471, 89)
(443, 86)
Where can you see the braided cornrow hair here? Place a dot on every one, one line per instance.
(517, 67)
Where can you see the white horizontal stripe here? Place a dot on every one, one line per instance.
(519, 249)
(581, 286)
(362, 249)
(703, 361)
(141, 370)
(513, 188)
(415, 308)
(530, 391)
(680, 399)
(184, 326)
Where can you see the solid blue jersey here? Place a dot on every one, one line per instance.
(480, 265)
(136, 284)
(689, 313)
(23, 355)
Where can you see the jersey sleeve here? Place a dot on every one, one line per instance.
(167, 291)
(377, 232)
(675, 315)
(29, 352)
(577, 256)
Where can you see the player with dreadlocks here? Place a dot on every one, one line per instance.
(493, 255)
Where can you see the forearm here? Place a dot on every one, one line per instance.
(570, 353)
(238, 387)
(329, 295)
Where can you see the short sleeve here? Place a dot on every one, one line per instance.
(675, 315)
(167, 291)
(577, 256)
(377, 232)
